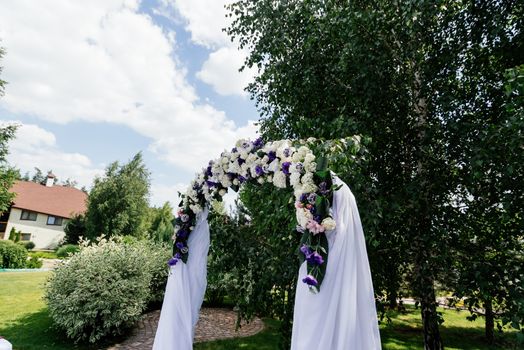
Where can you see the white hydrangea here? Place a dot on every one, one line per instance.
(296, 158)
(294, 179)
(310, 167)
(279, 180)
(310, 157)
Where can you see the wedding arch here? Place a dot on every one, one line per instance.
(334, 303)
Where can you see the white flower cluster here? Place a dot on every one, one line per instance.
(273, 162)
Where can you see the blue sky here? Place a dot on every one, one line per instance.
(94, 82)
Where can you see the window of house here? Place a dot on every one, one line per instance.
(54, 220)
(28, 215)
(25, 237)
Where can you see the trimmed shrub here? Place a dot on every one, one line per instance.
(27, 244)
(103, 289)
(14, 235)
(67, 250)
(12, 255)
(33, 263)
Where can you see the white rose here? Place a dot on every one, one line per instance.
(260, 180)
(303, 216)
(274, 166)
(329, 224)
(222, 192)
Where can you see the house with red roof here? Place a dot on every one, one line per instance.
(40, 211)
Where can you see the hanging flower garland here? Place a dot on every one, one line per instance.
(282, 164)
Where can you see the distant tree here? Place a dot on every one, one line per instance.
(74, 229)
(69, 183)
(8, 175)
(38, 177)
(161, 228)
(2, 82)
(118, 202)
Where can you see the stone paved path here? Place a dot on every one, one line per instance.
(213, 324)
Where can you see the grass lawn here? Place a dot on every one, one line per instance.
(25, 322)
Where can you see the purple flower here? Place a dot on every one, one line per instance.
(178, 256)
(310, 280)
(312, 198)
(179, 245)
(285, 167)
(172, 261)
(303, 197)
(234, 150)
(258, 143)
(241, 179)
(208, 171)
(305, 250)
(245, 144)
(182, 233)
(323, 188)
(211, 184)
(286, 152)
(259, 170)
(271, 155)
(299, 167)
(241, 161)
(315, 258)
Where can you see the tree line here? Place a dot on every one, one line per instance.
(437, 86)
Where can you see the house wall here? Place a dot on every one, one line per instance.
(43, 235)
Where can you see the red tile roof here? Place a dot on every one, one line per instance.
(55, 200)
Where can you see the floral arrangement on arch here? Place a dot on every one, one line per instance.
(283, 164)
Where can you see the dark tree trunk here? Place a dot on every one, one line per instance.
(490, 321)
(392, 298)
(430, 322)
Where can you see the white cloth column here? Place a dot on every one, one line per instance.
(186, 286)
(342, 316)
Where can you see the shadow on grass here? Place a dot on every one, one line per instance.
(36, 331)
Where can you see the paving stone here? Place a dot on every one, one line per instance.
(213, 324)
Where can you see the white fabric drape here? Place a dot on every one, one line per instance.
(186, 286)
(342, 316)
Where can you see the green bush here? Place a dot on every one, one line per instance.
(27, 244)
(104, 288)
(14, 235)
(12, 255)
(43, 255)
(33, 263)
(66, 250)
(157, 254)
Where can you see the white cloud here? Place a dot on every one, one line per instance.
(103, 61)
(205, 20)
(221, 72)
(36, 147)
(161, 193)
